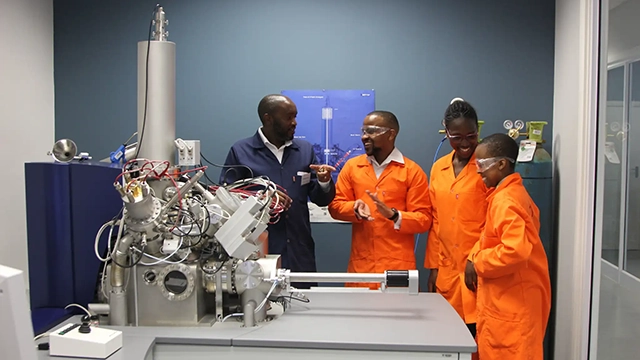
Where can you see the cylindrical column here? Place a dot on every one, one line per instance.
(249, 314)
(157, 128)
(257, 297)
(118, 308)
(336, 277)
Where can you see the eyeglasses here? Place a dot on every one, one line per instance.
(458, 138)
(373, 130)
(485, 164)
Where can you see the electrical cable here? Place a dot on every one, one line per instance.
(78, 306)
(146, 85)
(41, 336)
(208, 178)
(129, 139)
(136, 262)
(266, 298)
(231, 315)
(230, 167)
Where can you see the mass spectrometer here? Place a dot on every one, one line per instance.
(188, 254)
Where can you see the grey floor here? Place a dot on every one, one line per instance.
(619, 321)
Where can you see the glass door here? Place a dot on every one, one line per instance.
(632, 238)
(615, 151)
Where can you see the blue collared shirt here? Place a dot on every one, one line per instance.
(291, 235)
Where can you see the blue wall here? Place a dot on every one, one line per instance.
(416, 54)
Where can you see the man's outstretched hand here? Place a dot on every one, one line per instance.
(383, 209)
(362, 210)
(323, 172)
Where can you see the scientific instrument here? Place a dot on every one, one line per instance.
(189, 254)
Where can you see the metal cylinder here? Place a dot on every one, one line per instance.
(160, 22)
(257, 297)
(207, 195)
(119, 258)
(249, 312)
(157, 95)
(142, 209)
(336, 277)
(118, 308)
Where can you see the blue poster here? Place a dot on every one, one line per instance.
(331, 120)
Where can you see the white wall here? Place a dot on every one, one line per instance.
(574, 125)
(26, 112)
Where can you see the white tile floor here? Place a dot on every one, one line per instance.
(619, 322)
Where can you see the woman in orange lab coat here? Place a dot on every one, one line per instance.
(509, 266)
(458, 198)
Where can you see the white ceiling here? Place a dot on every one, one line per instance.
(615, 3)
(624, 28)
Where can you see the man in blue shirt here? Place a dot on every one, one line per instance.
(292, 164)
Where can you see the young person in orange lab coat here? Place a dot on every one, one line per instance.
(458, 197)
(384, 195)
(508, 266)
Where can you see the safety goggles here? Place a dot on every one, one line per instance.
(458, 138)
(373, 130)
(485, 164)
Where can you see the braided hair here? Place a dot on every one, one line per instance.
(460, 109)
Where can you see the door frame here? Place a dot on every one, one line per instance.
(618, 273)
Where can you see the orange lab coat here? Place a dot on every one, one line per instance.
(375, 245)
(459, 212)
(514, 289)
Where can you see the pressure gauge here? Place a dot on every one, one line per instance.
(519, 125)
(508, 124)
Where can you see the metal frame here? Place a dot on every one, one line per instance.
(601, 266)
(596, 27)
(624, 175)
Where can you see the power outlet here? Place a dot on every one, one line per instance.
(189, 154)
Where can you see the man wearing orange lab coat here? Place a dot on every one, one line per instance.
(508, 266)
(395, 188)
(459, 200)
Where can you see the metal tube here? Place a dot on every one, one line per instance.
(337, 277)
(118, 297)
(120, 256)
(248, 310)
(207, 195)
(157, 130)
(118, 309)
(183, 190)
(135, 294)
(254, 296)
(159, 22)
